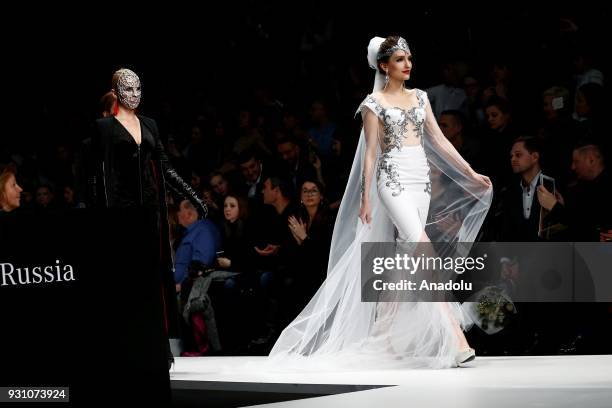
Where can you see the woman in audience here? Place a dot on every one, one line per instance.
(498, 139)
(237, 248)
(10, 191)
(312, 229)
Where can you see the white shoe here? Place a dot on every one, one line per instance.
(465, 356)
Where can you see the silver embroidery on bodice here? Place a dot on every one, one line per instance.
(395, 124)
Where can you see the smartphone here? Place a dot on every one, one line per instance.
(548, 183)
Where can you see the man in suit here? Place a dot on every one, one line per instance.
(296, 165)
(520, 206)
(254, 172)
(520, 215)
(586, 207)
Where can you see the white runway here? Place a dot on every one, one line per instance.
(491, 382)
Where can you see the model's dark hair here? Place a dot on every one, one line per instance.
(107, 102)
(386, 45)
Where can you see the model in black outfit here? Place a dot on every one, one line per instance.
(124, 165)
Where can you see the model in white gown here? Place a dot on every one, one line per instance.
(401, 149)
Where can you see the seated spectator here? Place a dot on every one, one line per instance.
(223, 144)
(45, 200)
(238, 250)
(520, 211)
(590, 112)
(195, 256)
(273, 243)
(503, 84)
(589, 102)
(475, 106)
(559, 132)
(322, 130)
(250, 137)
(449, 95)
(311, 229)
(10, 191)
(586, 207)
(219, 184)
(197, 150)
(254, 172)
(453, 125)
(244, 294)
(298, 165)
(200, 242)
(215, 211)
(277, 193)
(498, 140)
(68, 197)
(292, 126)
(585, 71)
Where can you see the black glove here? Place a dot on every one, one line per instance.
(178, 184)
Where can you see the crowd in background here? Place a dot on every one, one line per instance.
(269, 149)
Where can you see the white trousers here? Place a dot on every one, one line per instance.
(403, 188)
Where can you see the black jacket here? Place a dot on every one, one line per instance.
(586, 209)
(115, 172)
(515, 228)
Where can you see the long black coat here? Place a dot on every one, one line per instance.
(115, 172)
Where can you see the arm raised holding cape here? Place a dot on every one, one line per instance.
(446, 149)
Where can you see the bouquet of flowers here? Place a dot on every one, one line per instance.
(490, 309)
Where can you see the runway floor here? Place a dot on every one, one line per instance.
(498, 382)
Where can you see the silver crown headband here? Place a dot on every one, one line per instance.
(401, 45)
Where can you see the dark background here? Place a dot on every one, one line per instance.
(58, 62)
(101, 334)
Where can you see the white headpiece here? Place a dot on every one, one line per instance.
(373, 47)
